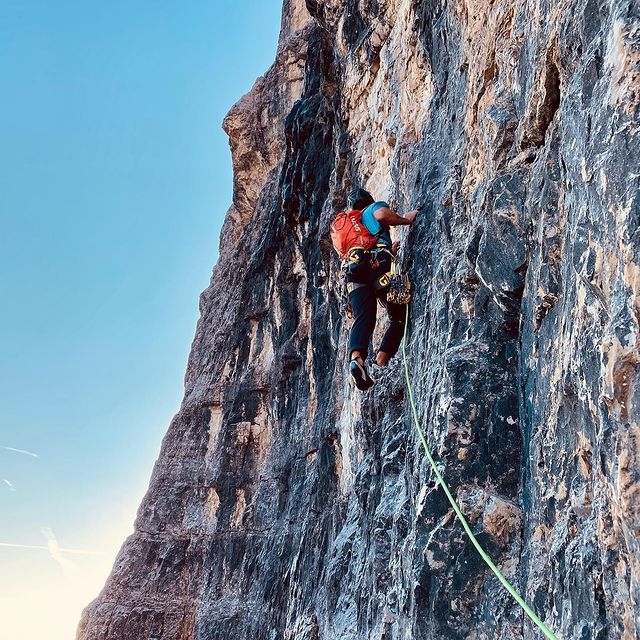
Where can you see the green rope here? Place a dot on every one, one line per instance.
(507, 585)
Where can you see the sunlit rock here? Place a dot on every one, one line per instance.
(286, 505)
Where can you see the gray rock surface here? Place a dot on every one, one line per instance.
(286, 505)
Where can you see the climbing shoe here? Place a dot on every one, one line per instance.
(359, 375)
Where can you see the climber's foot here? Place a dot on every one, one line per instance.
(359, 375)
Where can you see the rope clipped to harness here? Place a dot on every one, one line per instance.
(505, 583)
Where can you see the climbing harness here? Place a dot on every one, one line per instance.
(357, 258)
(505, 583)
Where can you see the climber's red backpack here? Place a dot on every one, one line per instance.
(349, 232)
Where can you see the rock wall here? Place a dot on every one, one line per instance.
(286, 505)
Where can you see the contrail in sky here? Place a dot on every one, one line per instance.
(69, 568)
(23, 451)
(9, 484)
(11, 545)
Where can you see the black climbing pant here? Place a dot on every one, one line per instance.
(363, 298)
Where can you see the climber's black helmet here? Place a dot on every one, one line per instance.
(358, 199)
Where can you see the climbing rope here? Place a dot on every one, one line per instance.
(507, 585)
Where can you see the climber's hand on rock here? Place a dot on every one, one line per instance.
(411, 216)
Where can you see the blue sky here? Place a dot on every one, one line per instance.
(115, 176)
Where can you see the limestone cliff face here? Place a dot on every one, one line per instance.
(286, 505)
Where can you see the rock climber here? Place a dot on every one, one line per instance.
(367, 279)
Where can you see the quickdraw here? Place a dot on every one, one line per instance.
(399, 286)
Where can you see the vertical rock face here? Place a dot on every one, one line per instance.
(286, 505)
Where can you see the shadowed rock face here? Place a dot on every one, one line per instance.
(286, 505)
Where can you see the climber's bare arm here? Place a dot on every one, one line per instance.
(390, 218)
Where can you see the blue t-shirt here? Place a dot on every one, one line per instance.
(374, 225)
